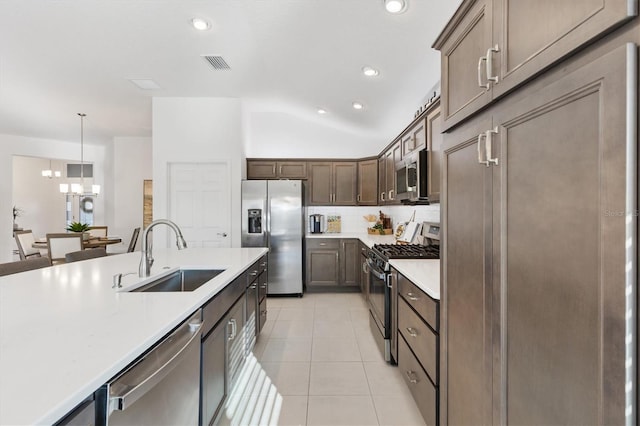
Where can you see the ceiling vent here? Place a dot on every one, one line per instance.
(217, 62)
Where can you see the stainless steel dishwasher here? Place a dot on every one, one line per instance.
(162, 387)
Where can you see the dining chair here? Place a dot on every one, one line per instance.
(24, 241)
(58, 245)
(76, 256)
(134, 240)
(98, 231)
(24, 265)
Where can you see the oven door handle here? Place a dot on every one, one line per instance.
(373, 269)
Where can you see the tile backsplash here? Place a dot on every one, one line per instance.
(352, 217)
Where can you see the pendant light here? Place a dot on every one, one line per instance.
(78, 189)
(50, 173)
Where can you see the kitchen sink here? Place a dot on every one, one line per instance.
(180, 280)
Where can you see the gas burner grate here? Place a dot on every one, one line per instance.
(407, 251)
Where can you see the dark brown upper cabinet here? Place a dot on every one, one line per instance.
(276, 169)
(332, 183)
(490, 47)
(368, 182)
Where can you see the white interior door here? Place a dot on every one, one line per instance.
(200, 203)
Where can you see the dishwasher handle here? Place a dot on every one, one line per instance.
(144, 375)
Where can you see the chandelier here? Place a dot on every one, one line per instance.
(78, 189)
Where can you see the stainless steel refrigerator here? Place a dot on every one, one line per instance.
(273, 217)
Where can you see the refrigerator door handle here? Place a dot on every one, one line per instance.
(267, 218)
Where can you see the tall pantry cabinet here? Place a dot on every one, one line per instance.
(539, 204)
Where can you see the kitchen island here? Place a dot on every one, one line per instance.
(64, 331)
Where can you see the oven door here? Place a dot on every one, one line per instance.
(379, 297)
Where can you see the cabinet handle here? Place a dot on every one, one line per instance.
(391, 197)
(358, 198)
(411, 376)
(489, 142)
(382, 194)
(412, 332)
(273, 169)
(263, 286)
(232, 323)
(491, 77)
(323, 244)
(280, 170)
(263, 264)
(253, 287)
(480, 160)
(412, 297)
(253, 273)
(480, 83)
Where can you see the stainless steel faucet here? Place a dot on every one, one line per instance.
(147, 257)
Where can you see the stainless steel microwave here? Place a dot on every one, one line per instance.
(411, 178)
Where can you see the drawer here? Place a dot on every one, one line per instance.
(323, 243)
(428, 308)
(422, 340)
(423, 390)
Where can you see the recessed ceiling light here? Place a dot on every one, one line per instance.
(322, 111)
(395, 6)
(357, 105)
(370, 72)
(200, 24)
(145, 84)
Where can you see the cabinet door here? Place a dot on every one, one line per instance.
(392, 157)
(320, 184)
(323, 267)
(368, 183)
(415, 138)
(345, 180)
(214, 376)
(434, 146)
(566, 167)
(466, 299)
(262, 169)
(464, 88)
(382, 180)
(349, 262)
(532, 35)
(292, 169)
(236, 345)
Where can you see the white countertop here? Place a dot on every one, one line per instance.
(424, 273)
(368, 239)
(64, 331)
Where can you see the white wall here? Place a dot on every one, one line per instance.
(352, 220)
(131, 166)
(197, 130)
(11, 145)
(274, 134)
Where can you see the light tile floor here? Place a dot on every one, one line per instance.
(316, 363)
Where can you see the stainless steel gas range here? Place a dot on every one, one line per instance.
(383, 290)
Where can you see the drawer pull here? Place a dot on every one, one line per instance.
(263, 264)
(411, 376)
(412, 332)
(412, 297)
(323, 244)
(253, 273)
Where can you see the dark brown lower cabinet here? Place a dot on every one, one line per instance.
(537, 192)
(332, 263)
(418, 342)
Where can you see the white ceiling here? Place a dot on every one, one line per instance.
(60, 57)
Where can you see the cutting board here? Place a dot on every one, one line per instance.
(411, 229)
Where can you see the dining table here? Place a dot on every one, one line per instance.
(41, 243)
